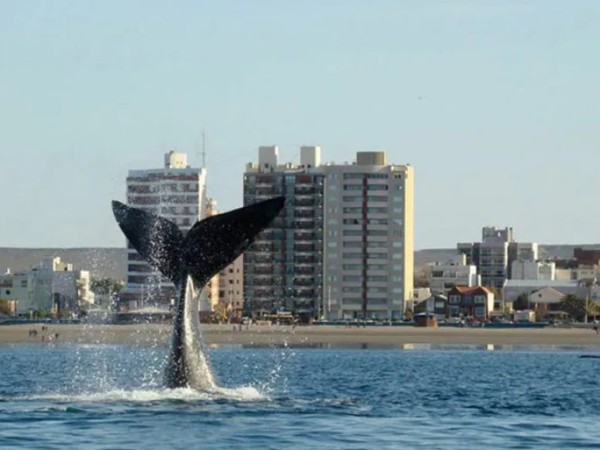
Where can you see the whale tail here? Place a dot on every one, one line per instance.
(207, 248)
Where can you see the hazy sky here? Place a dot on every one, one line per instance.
(495, 103)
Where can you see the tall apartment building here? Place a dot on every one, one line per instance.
(369, 238)
(495, 254)
(177, 192)
(283, 267)
(342, 247)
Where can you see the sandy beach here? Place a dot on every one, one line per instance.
(305, 336)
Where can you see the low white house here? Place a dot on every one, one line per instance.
(514, 288)
(546, 296)
(51, 285)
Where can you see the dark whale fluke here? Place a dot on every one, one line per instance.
(191, 260)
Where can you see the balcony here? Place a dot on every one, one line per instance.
(304, 260)
(306, 224)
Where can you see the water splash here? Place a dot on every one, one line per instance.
(241, 394)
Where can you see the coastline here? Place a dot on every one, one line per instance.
(302, 336)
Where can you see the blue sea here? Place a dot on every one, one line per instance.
(111, 397)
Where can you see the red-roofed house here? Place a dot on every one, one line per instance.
(466, 301)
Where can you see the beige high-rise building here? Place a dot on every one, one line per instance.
(231, 290)
(368, 239)
(212, 287)
(177, 192)
(224, 291)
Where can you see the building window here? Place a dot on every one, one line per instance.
(377, 198)
(353, 176)
(454, 299)
(377, 187)
(352, 278)
(377, 278)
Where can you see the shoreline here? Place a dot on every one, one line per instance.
(322, 336)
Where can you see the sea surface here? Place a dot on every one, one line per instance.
(57, 396)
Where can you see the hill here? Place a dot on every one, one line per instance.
(111, 262)
(101, 262)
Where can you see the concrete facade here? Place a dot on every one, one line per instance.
(231, 289)
(454, 272)
(495, 254)
(533, 270)
(51, 287)
(283, 268)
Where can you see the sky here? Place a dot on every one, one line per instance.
(496, 104)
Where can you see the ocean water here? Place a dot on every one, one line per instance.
(111, 397)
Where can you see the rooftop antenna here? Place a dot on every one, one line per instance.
(203, 149)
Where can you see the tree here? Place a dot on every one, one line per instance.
(576, 307)
(105, 288)
(522, 302)
(5, 307)
(422, 277)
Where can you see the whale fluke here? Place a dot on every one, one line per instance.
(156, 239)
(191, 260)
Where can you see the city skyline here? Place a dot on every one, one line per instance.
(493, 105)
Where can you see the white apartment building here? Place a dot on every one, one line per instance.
(493, 262)
(533, 270)
(454, 272)
(368, 239)
(494, 255)
(176, 192)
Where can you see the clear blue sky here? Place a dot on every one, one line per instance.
(495, 103)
